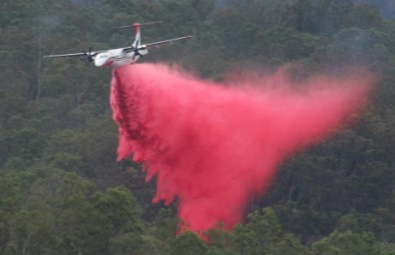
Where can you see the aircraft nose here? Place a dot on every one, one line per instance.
(97, 63)
(100, 60)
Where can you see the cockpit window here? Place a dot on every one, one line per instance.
(103, 56)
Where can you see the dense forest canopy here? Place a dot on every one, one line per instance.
(387, 7)
(62, 191)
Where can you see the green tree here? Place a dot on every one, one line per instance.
(190, 244)
(263, 235)
(347, 243)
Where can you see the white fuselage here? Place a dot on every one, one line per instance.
(120, 56)
(117, 57)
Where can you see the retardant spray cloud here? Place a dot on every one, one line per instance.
(212, 146)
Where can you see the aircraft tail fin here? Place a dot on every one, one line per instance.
(136, 26)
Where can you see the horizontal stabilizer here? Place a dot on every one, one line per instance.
(141, 24)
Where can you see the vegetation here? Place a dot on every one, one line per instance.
(61, 190)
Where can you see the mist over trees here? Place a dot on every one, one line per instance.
(386, 7)
(62, 191)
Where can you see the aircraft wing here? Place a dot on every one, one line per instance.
(91, 53)
(158, 44)
(65, 55)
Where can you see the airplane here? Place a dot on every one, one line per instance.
(121, 56)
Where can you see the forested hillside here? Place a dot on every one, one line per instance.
(386, 7)
(62, 191)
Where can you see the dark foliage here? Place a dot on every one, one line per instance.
(61, 190)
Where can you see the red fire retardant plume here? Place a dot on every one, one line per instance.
(213, 146)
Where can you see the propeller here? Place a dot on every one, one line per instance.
(136, 50)
(137, 53)
(89, 54)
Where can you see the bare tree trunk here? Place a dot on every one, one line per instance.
(39, 71)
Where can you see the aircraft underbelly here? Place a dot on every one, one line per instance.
(124, 61)
(128, 58)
